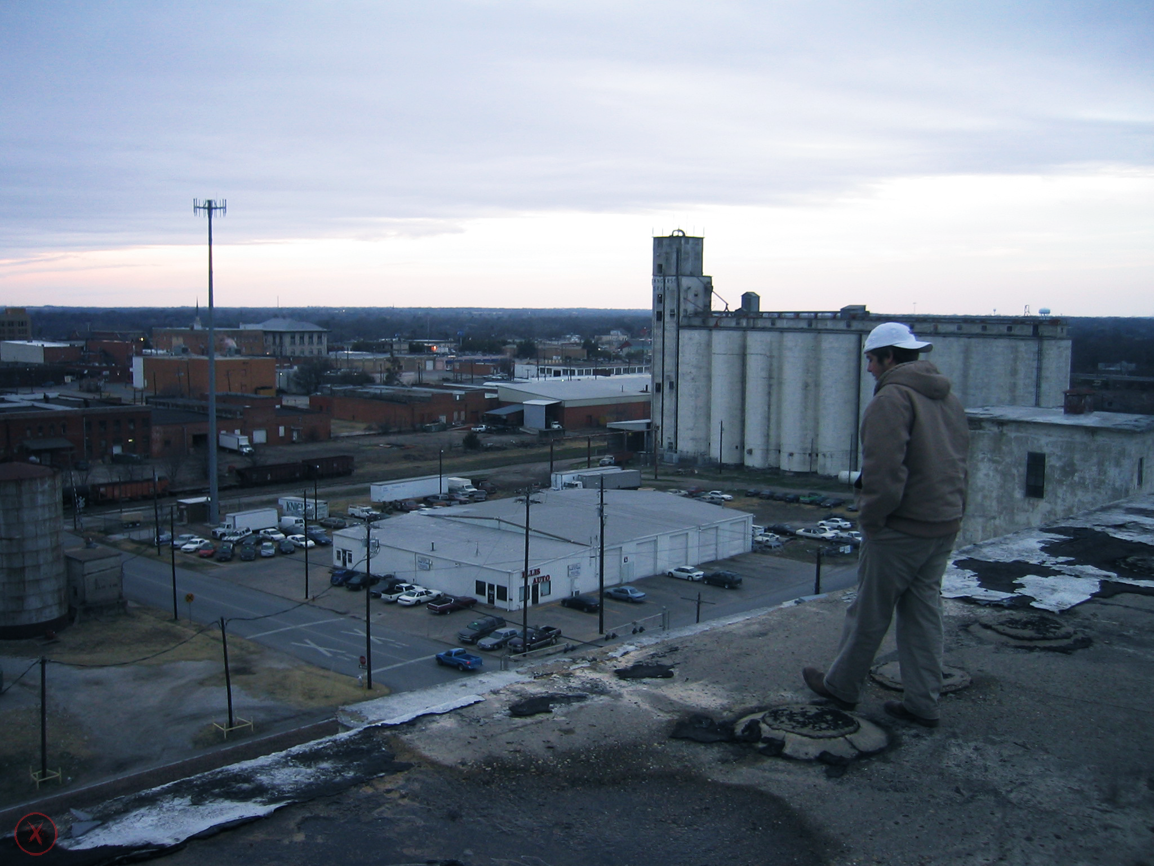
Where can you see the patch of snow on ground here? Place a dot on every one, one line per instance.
(168, 823)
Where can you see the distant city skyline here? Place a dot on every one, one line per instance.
(937, 158)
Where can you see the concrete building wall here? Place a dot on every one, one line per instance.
(1089, 461)
(792, 385)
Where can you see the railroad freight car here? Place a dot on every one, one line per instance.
(331, 466)
(117, 491)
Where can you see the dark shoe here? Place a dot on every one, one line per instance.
(815, 679)
(898, 710)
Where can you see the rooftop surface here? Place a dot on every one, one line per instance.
(599, 387)
(1036, 415)
(1045, 757)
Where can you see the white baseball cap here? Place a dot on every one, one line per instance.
(897, 335)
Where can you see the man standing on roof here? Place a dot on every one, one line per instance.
(915, 440)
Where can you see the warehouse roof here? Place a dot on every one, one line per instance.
(561, 522)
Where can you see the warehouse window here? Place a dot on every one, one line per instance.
(1141, 470)
(1035, 475)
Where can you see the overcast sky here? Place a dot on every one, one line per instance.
(915, 157)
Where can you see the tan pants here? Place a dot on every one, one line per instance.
(898, 572)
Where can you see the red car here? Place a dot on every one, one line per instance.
(448, 605)
(206, 551)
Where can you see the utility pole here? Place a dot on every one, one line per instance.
(305, 517)
(209, 207)
(525, 574)
(368, 595)
(172, 558)
(227, 673)
(601, 563)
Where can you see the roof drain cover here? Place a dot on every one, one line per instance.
(1032, 631)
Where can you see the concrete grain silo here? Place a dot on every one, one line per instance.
(33, 584)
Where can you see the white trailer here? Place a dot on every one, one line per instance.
(572, 478)
(415, 488)
(254, 520)
(300, 506)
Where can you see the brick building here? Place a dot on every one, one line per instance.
(405, 408)
(58, 430)
(187, 375)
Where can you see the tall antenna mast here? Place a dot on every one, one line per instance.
(210, 206)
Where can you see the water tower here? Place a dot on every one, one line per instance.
(33, 585)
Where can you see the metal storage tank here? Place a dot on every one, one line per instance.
(33, 582)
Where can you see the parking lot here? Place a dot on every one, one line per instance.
(767, 579)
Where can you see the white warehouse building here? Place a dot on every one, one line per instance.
(786, 390)
(479, 549)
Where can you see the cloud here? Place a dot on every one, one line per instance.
(379, 120)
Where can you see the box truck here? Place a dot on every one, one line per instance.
(235, 442)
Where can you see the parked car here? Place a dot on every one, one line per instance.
(417, 595)
(718, 494)
(583, 603)
(816, 533)
(686, 572)
(498, 638)
(206, 550)
(360, 580)
(286, 546)
(333, 522)
(320, 537)
(480, 628)
(482, 428)
(440, 499)
(725, 579)
(791, 497)
(831, 502)
(625, 593)
(183, 539)
(267, 548)
(607, 461)
(193, 544)
(164, 538)
(340, 576)
(536, 637)
(712, 499)
(219, 532)
(459, 658)
(767, 538)
(225, 552)
(237, 535)
(301, 541)
(448, 604)
(386, 585)
(247, 552)
(398, 590)
(835, 523)
(272, 535)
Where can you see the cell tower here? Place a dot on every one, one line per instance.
(209, 207)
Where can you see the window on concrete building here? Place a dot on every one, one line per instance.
(657, 315)
(502, 593)
(1141, 470)
(479, 588)
(1035, 474)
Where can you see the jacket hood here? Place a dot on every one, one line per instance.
(920, 375)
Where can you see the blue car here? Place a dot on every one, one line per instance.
(625, 593)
